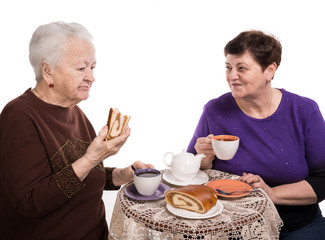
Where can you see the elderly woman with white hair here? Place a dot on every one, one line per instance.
(52, 174)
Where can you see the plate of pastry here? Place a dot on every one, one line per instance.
(200, 178)
(193, 201)
(230, 185)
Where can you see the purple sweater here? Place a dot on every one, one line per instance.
(286, 147)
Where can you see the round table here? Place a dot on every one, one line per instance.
(251, 217)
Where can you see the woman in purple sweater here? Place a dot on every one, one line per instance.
(282, 135)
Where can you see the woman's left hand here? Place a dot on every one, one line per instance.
(298, 193)
(257, 182)
(125, 175)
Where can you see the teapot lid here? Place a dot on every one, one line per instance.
(184, 154)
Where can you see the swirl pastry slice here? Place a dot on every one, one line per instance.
(196, 198)
(116, 123)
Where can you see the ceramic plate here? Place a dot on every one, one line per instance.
(132, 192)
(200, 178)
(214, 211)
(230, 185)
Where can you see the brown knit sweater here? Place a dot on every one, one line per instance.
(40, 195)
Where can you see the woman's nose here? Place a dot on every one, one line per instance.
(233, 75)
(90, 76)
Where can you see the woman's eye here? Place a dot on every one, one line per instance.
(242, 68)
(81, 69)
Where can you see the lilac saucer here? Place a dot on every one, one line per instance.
(132, 192)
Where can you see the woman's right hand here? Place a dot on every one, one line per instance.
(204, 145)
(98, 151)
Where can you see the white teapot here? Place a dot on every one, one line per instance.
(184, 166)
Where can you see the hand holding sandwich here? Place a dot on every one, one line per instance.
(98, 151)
(109, 141)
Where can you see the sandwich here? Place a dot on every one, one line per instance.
(116, 123)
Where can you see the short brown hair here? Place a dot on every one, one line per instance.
(265, 49)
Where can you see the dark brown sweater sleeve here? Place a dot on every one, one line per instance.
(68, 182)
(109, 182)
(25, 171)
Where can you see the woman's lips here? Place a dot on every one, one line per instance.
(87, 87)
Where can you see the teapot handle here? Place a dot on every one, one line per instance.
(166, 162)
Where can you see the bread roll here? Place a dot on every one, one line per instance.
(196, 198)
(116, 123)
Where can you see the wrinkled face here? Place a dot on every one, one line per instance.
(245, 76)
(73, 74)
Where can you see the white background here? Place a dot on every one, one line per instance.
(160, 61)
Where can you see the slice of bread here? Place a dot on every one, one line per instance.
(116, 123)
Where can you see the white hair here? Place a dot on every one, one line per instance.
(48, 40)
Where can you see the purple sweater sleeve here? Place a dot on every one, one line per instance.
(315, 154)
(202, 130)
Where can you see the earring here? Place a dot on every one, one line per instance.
(51, 85)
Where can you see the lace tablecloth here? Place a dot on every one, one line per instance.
(246, 218)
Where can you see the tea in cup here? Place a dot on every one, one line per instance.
(146, 181)
(225, 146)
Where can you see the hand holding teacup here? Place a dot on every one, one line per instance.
(222, 146)
(225, 146)
(125, 175)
